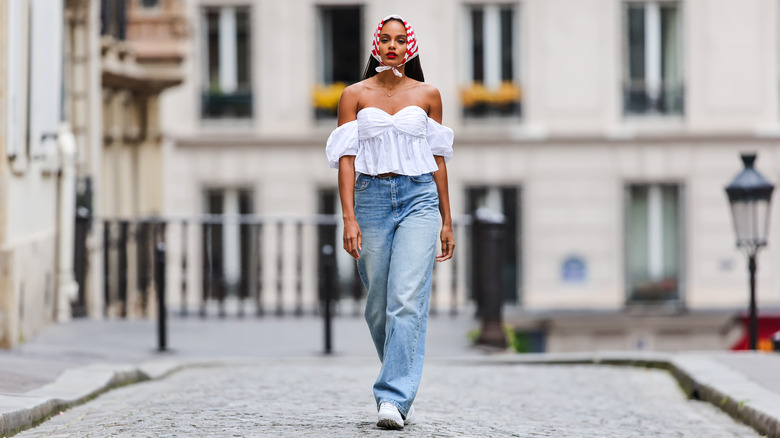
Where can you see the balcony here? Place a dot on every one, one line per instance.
(218, 105)
(142, 48)
(640, 98)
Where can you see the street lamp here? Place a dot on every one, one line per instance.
(749, 195)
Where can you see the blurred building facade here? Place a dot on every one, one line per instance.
(140, 57)
(37, 172)
(79, 139)
(604, 131)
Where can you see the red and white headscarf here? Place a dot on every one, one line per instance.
(411, 45)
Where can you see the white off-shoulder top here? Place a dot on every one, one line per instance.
(402, 143)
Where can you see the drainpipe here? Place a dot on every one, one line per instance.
(67, 288)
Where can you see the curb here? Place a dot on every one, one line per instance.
(73, 387)
(736, 395)
(700, 377)
(19, 412)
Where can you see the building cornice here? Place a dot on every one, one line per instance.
(318, 140)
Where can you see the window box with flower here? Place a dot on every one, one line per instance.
(480, 101)
(325, 99)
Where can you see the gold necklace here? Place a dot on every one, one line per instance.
(384, 89)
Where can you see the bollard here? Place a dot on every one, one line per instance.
(107, 301)
(490, 235)
(327, 279)
(80, 259)
(776, 341)
(162, 313)
(328, 254)
(184, 268)
(122, 268)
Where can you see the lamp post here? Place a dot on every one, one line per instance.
(750, 195)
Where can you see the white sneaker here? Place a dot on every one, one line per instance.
(389, 417)
(409, 416)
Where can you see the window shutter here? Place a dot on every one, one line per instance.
(45, 76)
(14, 105)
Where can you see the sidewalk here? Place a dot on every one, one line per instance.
(745, 385)
(69, 364)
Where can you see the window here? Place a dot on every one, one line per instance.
(45, 79)
(113, 18)
(226, 244)
(506, 201)
(149, 4)
(490, 61)
(653, 74)
(15, 104)
(227, 91)
(653, 248)
(340, 49)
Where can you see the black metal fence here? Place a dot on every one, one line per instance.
(217, 265)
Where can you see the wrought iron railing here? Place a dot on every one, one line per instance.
(639, 98)
(236, 105)
(279, 265)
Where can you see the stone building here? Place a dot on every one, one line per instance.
(604, 131)
(79, 87)
(140, 57)
(37, 173)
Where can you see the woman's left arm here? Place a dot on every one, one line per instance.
(440, 176)
(447, 235)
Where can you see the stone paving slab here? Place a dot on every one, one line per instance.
(763, 369)
(332, 397)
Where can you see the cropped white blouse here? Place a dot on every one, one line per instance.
(402, 143)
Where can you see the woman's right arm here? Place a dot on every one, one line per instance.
(353, 239)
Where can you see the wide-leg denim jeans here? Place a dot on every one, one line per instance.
(399, 219)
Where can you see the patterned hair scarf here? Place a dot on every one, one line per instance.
(411, 45)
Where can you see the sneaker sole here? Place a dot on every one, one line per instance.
(387, 423)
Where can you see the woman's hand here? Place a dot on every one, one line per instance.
(353, 238)
(447, 243)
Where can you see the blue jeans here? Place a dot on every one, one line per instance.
(399, 220)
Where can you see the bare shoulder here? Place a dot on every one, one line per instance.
(432, 99)
(348, 102)
(430, 91)
(353, 91)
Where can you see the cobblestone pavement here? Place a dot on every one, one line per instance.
(331, 397)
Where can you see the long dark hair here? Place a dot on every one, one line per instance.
(412, 68)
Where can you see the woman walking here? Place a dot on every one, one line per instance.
(391, 152)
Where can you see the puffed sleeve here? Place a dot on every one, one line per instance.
(440, 139)
(342, 141)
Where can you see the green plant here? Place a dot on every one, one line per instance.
(473, 335)
(516, 340)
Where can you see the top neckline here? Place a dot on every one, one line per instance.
(395, 113)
